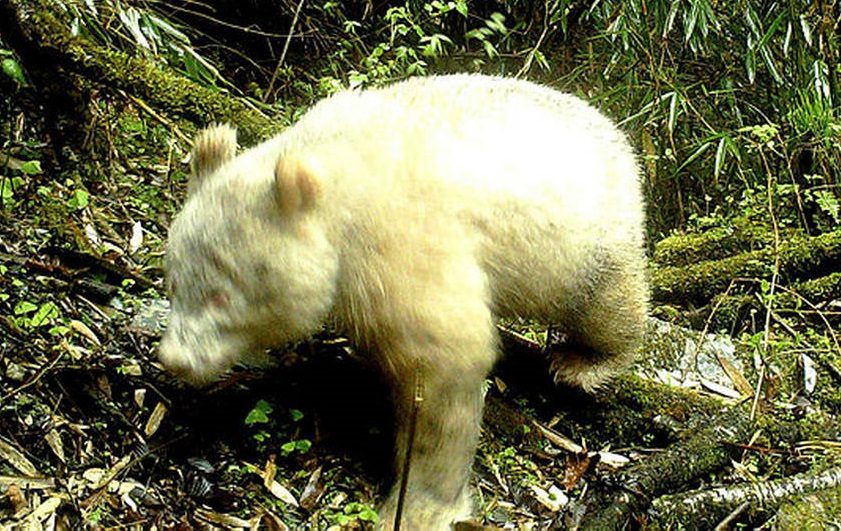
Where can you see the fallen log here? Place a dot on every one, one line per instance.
(740, 236)
(817, 510)
(39, 37)
(706, 451)
(814, 300)
(707, 507)
(799, 259)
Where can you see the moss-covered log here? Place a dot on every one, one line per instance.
(799, 258)
(706, 508)
(807, 299)
(622, 410)
(41, 39)
(813, 294)
(817, 511)
(706, 451)
(630, 408)
(698, 434)
(717, 243)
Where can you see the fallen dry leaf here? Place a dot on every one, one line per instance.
(554, 499)
(313, 490)
(85, 331)
(155, 419)
(576, 466)
(54, 442)
(227, 521)
(278, 491)
(15, 457)
(17, 501)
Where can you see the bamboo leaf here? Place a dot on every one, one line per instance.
(787, 40)
(820, 76)
(697, 153)
(720, 153)
(750, 63)
(670, 19)
(691, 21)
(13, 70)
(752, 21)
(673, 111)
(805, 29)
(770, 64)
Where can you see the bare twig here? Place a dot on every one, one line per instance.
(38, 375)
(536, 48)
(157, 116)
(773, 288)
(407, 459)
(724, 525)
(285, 49)
(830, 329)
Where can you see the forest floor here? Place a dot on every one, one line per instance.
(94, 433)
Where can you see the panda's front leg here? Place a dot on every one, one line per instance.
(438, 406)
(435, 339)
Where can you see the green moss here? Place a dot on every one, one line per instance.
(716, 243)
(818, 511)
(624, 411)
(698, 283)
(818, 425)
(820, 289)
(171, 93)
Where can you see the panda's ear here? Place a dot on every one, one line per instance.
(212, 147)
(297, 187)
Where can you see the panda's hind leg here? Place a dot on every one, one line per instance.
(606, 330)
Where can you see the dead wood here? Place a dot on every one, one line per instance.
(51, 54)
(817, 510)
(705, 451)
(619, 412)
(742, 236)
(707, 507)
(799, 259)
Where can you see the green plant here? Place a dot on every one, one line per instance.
(11, 67)
(259, 414)
(29, 315)
(827, 202)
(354, 513)
(19, 172)
(301, 446)
(8, 186)
(79, 199)
(689, 75)
(144, 30)
(405, 40)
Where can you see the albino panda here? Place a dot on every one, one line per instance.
(410, 218)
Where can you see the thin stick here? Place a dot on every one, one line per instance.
(725, 524)
(407, 459)
(766, 337)
(530, 57)
(166, 123)
(285, 49)
(45, 368)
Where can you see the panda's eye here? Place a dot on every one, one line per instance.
(219, 299)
